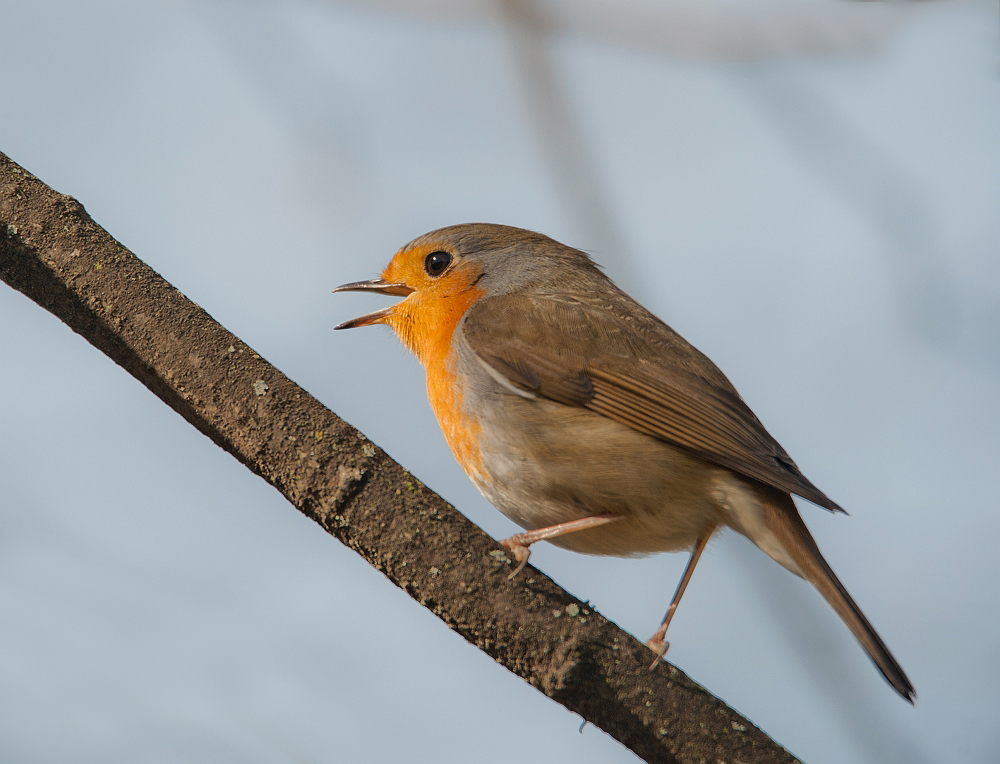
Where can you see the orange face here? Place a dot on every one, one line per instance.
(442, 289)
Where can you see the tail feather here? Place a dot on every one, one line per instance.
(785, 523)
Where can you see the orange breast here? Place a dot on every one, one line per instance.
(460, 430)
(425, 322)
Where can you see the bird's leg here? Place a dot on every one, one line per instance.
(519, 542)
(657, 642)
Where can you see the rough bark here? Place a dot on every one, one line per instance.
(55, 254)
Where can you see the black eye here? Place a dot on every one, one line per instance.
(436, 262)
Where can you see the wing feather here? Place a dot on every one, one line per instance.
(639, 372)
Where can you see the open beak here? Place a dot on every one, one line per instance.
(379, 286)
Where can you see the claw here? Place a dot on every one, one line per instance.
(521, 554)
(659, 646)
(519, 542)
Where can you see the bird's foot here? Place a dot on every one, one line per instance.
(520, 550)
(658, 645)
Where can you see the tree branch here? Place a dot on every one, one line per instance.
(55, 254)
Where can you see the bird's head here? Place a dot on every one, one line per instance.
(443, 273)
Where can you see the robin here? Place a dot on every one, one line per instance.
(587, 420)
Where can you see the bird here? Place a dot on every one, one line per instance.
(587, 420)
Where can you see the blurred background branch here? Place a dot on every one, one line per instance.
(709, 30)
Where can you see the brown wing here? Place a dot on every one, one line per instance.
(598, 353)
